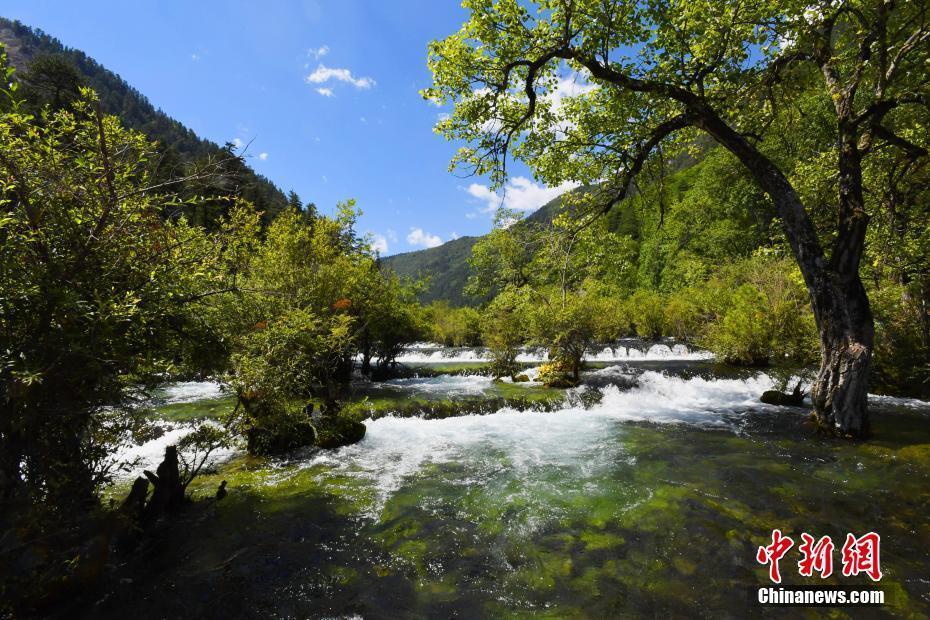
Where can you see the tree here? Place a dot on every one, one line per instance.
(651, 76)
(302, 311)
(51, 80)
(98, 294)
(503, 331)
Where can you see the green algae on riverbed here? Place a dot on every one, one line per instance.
(564, 514)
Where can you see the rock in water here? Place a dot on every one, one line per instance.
(521, 378)
(782, 399)
(266, 441)
(336, 431)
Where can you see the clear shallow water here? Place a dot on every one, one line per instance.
(650, 502)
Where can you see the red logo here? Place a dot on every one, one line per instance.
(816, 557)
(860, 555)
(773, 553)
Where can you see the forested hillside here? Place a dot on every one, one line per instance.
(53, 75)
(742, 271)
(446, 266)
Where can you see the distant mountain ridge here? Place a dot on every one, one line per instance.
(25, 44)
(446, 265)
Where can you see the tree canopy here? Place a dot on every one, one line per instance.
(595, 92)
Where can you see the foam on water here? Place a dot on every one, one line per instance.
(896, 401)
(523, 442)
(150, 453)
(425, 353)
(463, 385)
(189, 391)
(656, 352)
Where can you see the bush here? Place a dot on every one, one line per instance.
(744, 333)
(683, 316)
(760, 311)
(454, 327)
(611, 319)
(566, 326)
(900, 360)
(502, 332)
(647, 311)
(281, 365)
(556, 374)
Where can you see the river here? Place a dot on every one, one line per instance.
(646, 492)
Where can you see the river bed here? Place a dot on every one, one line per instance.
(644, 493)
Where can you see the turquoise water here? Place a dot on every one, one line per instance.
(649, 499)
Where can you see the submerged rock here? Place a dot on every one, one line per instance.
(336, 431)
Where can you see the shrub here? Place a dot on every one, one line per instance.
(900, 361)
(454, 327)
(647, 311)
(683, 315)
(502, 332)
(611, 319)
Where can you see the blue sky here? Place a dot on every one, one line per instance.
(325, 92)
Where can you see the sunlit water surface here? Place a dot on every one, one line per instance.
(650, 501)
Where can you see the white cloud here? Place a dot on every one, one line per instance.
(520, 194)
(326, 92)
(323, 74)
(454, 235)
(417, 236)
(319, 52)
(195, 57)
(571, 85)
(363, 119)
(379, 244)
(263, 156)
(391, 235)
(237, 142)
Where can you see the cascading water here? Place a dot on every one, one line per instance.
(428, 353)
(643, 488)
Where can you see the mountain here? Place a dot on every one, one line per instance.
(51, 74)
(446, 265)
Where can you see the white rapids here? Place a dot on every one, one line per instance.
(426, 353)
(395, 449)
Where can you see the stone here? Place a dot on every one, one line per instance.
(783, 399)
(336, 431)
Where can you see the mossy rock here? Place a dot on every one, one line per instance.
(338, 431)
(268, 441)
(521, 378)
(782, 399)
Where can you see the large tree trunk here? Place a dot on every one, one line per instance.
(838, 298)
(840, 392)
